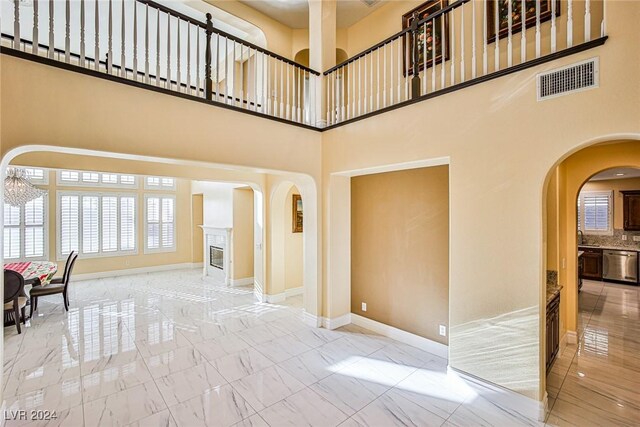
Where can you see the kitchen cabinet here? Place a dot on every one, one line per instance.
(553, 330)
(591, 263)
(631, 210)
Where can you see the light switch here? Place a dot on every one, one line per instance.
(364, 306)
(443, 330)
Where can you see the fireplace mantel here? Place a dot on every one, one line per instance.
(217, 239)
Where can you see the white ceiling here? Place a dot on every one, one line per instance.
(295, 13)
(611, 174)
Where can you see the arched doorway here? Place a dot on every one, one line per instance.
(583, 211)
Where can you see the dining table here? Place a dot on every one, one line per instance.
(35, 273)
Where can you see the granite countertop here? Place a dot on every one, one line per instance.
(552, 291)
(615, 248)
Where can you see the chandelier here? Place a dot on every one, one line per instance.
(18, 191)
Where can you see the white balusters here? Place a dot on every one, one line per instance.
(188, 58)
(496, 41)
(123, 58)
(443, 52)
(400, 68)
(553, 26)
(82, 38)
(168, 82)
(538, 29)
(523, 32)
(158, 50)
(232, 67)
(587, 20)
(509, 34)
(197, 61)
(378, 79)
(473, 39)
(110, 39)
(217, 67)
(241, 75)
(485, 56)
(391, 68)
(96, 54)
(424, 58)
(135, 40)
(34, 46)
(51, 39)
(434, 47)
(453, 48)
(384, 74)
(16, 25)
(570, 22)
(146, 45)
(462, 66)
(603, 24)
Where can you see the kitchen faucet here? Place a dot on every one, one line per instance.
(580, 237)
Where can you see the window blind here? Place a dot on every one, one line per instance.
(160, 222)
(24, 230)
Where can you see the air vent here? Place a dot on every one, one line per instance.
(370, 2)
(573, 78)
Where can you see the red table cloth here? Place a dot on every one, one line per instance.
(30, 270)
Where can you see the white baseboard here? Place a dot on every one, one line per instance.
(508, 400)
(337, 322)
(140, 270)
(311, 320)
(572, 337)
(274, 299)
(241, 282)
(294, 291)
(405, 337)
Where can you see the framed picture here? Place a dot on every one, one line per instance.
(297, 213)
(516, 16)
(429, 36)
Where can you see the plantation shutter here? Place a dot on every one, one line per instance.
(11, 231)
(167, 222)
(90, 226)
(153, 223)
(596, 211)
(127, 223)
(34, 228)
(69, 224)
(109, 224)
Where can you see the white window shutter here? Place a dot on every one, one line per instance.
(127, 223)
(69, 224)
(109, 224)
(90, 227)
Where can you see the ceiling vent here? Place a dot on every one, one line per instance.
(577, 77)
(370, 2)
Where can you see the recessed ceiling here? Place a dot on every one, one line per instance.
(295, 13)
(616, 174)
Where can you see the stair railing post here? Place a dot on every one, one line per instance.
(415, 55)
(207, 60)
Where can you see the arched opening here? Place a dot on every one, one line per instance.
(287, 235)
(585, 234)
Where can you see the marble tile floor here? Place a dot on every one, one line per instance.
(597, 382)
(170, 349)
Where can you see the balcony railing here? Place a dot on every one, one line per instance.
(455, 44)
(148, 43)
(447, 47)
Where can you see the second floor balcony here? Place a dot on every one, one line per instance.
(444, 46)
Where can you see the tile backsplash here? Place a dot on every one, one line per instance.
(615, 240)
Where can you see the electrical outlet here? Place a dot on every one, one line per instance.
(364, 306)
(443, 330)
(624, 237)
(636, 238)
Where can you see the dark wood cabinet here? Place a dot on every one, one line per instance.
(553, 330)
(631, 210)
(591, 264)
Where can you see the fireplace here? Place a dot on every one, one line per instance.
(216, 257)
(217, 251)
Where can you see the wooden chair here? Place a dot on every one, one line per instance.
(14, 299)
(67, 265)
(57, 287)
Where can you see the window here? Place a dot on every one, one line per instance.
(37, 175)
(595, 212)
(96, 224)
(159, 183)
(96, 179)
(160, 223)
(25, 230)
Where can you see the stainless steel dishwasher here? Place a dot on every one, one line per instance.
(620, 265)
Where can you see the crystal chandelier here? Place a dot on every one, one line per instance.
(18, 191)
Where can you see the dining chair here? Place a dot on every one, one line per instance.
(58, 287)
(14, 299)
(63, 279)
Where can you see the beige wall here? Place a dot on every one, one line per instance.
(293, 265)
(183, 233)
(242, 233)
(617, 185)
(197, 219)
(400, 249)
